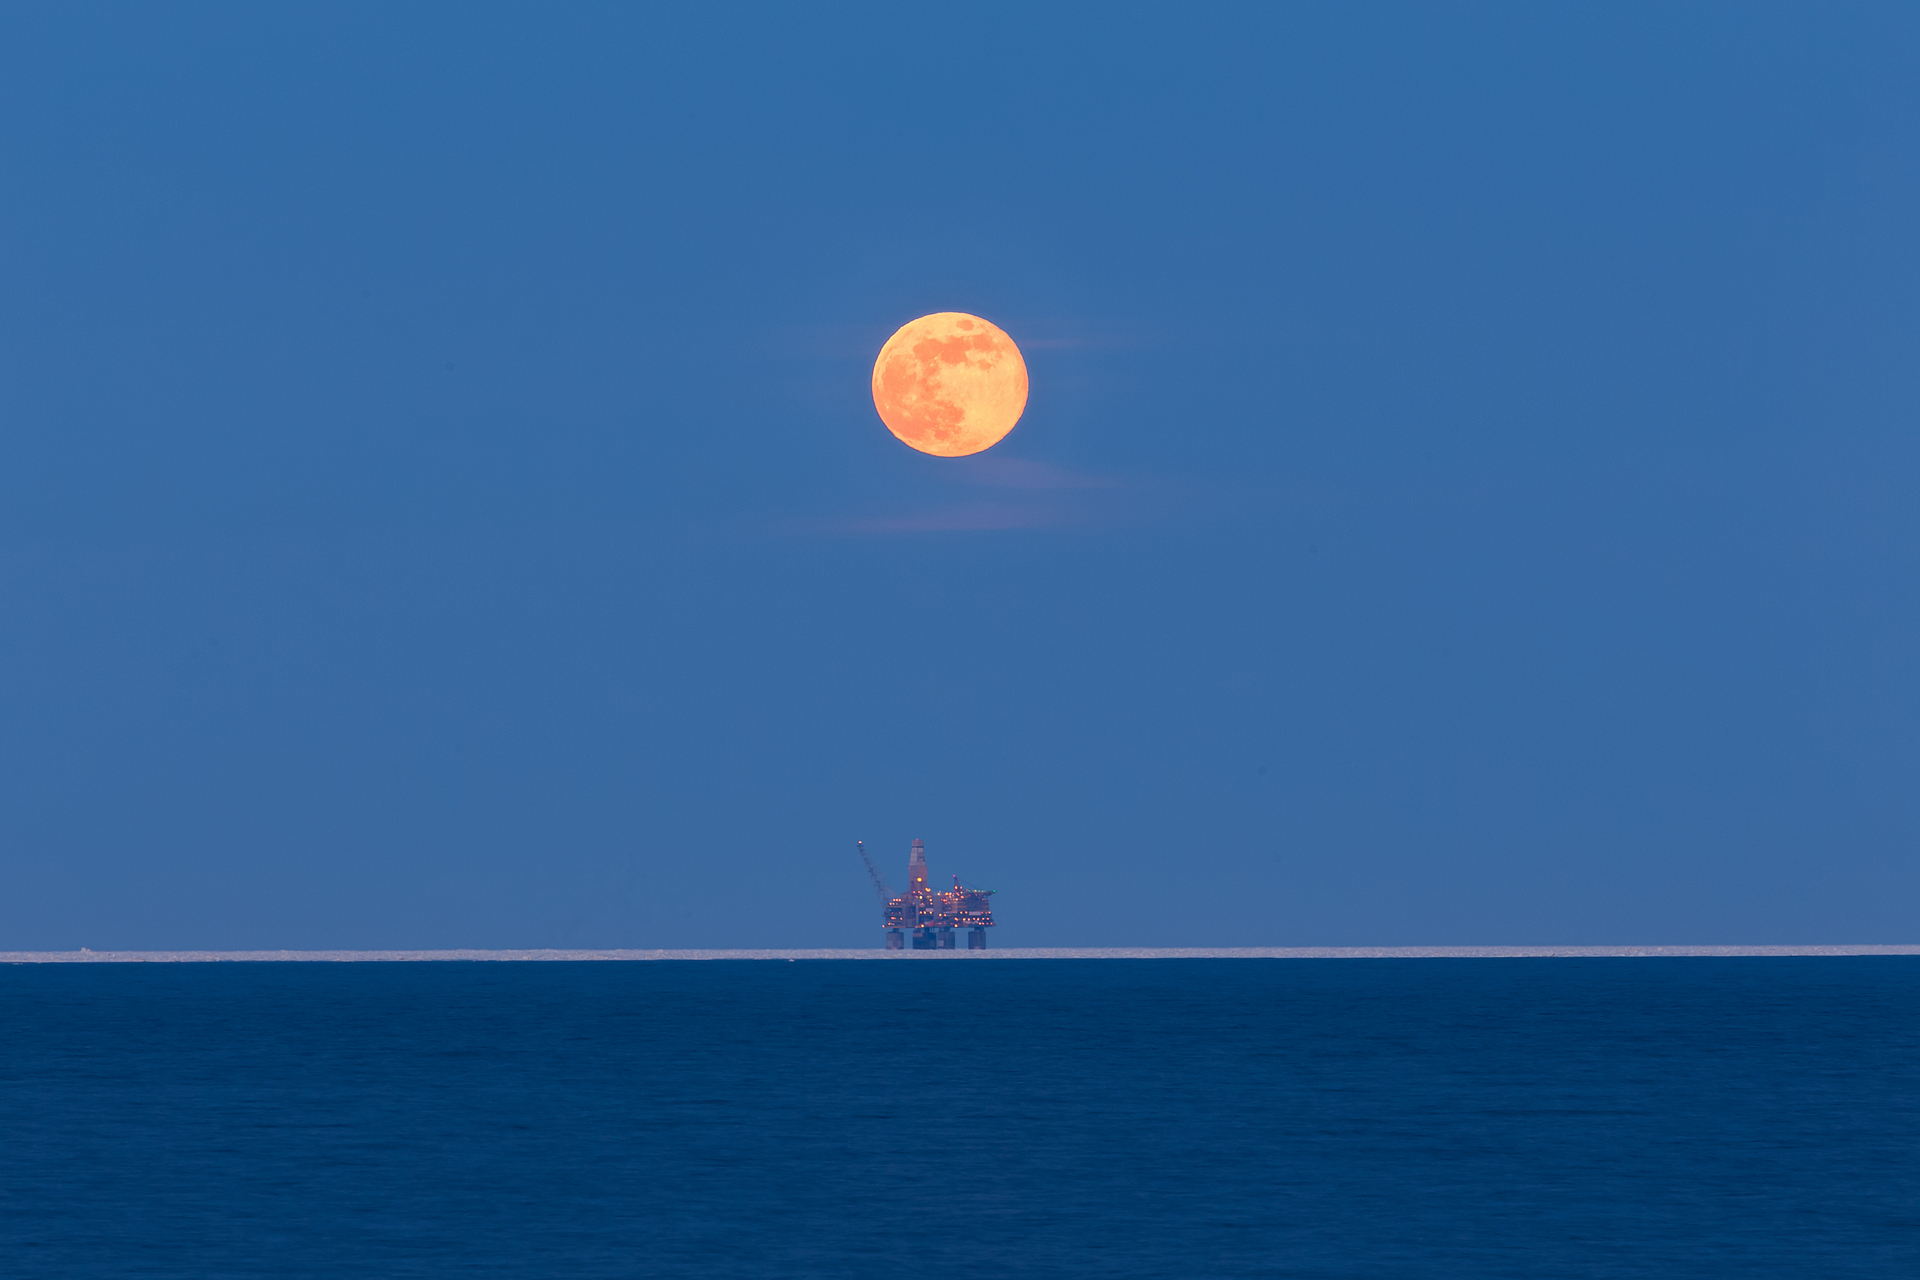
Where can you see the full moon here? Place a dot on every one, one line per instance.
(950, 384)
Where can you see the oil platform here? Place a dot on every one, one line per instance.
(931, 918)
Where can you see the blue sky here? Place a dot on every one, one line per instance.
(1467, 493)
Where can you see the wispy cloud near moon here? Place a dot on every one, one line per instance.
(950, 519)
(1019, 473)
(1037, 495)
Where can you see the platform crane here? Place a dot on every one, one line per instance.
(879, 885)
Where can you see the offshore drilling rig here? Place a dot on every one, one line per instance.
(930, 917)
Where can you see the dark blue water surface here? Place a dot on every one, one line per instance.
(1188, 1118)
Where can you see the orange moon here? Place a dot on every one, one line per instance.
(950, 384)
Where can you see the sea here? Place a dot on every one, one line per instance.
(1139, 1116)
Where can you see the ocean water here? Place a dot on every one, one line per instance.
(1668, 1118)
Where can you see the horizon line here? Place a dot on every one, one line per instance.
(85, 956)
